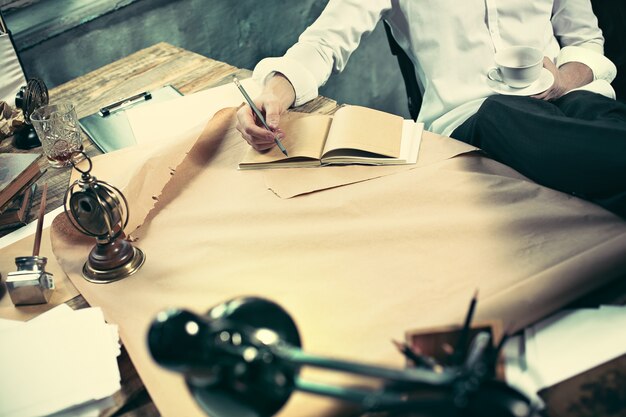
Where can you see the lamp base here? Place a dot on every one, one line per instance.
(26, 138)
(104, 276)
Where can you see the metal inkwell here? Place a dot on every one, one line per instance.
(31, 284)
(100, 210)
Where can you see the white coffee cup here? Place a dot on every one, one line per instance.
(517, 66)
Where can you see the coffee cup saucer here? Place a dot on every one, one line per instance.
(542, 83)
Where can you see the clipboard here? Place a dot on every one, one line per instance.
(109, 129)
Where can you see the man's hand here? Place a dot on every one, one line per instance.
(569, 76)
(277, 96)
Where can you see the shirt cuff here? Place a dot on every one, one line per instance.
(300, 78)
(598, 87)
(601, 67)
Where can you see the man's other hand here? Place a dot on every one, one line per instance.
(569, 76)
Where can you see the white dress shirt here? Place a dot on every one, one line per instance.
(452, 44)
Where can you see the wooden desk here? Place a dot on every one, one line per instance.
(145, 70)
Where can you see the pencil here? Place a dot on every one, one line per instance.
(42, 211)
(461, 345)
(258, 114)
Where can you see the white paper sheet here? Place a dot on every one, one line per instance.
(575, 341)
(564, 345)
(60, 359)
(161, 121)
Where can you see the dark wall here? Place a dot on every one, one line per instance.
(612, 20)
(238, 32)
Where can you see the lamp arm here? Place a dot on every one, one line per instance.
(372, 400)
(413, 376)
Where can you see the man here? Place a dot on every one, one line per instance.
(573, 141)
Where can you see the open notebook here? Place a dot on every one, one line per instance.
(354, 135)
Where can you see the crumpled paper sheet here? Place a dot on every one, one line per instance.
(355, 266)
(11, 119)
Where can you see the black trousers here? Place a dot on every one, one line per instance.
(576, 144)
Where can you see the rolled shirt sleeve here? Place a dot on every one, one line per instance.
(299, 76)
(325, 46)
(576, 28)
(601, 66)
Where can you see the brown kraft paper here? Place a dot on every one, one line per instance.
(356, 265)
